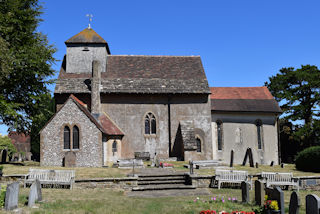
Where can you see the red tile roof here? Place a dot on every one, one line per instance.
(243, 99)
(261, 93)
(109, 126)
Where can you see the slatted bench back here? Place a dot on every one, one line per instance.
(51, 175)
(232, 175)
(277, 177)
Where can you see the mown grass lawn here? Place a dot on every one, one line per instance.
(101, 200)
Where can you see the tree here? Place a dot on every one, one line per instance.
(25, 63)
(5, 143)
(46, 108)
(299, 92)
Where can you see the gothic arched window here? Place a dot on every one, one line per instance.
(198, 142)
(75, 137)
(150, 124)
(66, 138)
(220, 134)
(259, 133)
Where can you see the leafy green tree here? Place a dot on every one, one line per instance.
(46, 108)
(5, 143)
(299, 92)
(25, 63)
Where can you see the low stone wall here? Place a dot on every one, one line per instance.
(112, 183)
(310, 182)
(200, 181)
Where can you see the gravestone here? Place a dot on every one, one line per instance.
(12, 195)
(271, 164)
(276, 194)
(245, 192)
(282, 165)
(257, 165)
(191, 166)
(4, 155)
(130, 163)
(70, 159)
(231, 159)
(294, 204)
(35, 193)
(248, 155)
(312, 204)
(259, 192)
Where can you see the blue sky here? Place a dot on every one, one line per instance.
(241, 43)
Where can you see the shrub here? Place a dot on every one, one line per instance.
(307, 159)
(5, 143)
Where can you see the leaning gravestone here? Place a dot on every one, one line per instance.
(312, 204)
(12, 195)
(276, 194)
(245, 192)
(70, 159)
(294, 204)
(231, 159)
(259, 192)
(35, 193)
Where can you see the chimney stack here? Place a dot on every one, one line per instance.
(95, 87)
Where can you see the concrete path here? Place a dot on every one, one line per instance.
(168, 193)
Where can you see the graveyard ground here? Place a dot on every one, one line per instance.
(100, 200)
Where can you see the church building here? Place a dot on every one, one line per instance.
(111, 107)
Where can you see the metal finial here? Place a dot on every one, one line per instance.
(90, 16)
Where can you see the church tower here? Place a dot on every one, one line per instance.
(84, 48)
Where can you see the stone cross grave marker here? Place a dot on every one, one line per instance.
(245, 192)
(312, 204)
(294, 204)
(259, 192)
(35, 193)
(12, 195)
(276, 194)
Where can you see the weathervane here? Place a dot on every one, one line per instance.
(90, 20)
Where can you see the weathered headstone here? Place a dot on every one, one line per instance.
(276, 194)
(12, 195)
(257, 165)
(33, 195)
(191, 166)
(282, 165)
(70, 159)
(312, 204)
(259, 192)
(231, 159)
(245, 192)
(271, 164)
(294, 204)
(4, 155)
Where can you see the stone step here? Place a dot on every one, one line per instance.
(162, 187)
(177, 181)
(161, 178)
(160, 175)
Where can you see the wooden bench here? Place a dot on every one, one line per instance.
(50, 177)
(232, 176)
(279, 179)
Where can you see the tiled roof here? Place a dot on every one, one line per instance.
(141, 74)
(243, 99)
(86, 36)
(109, 125)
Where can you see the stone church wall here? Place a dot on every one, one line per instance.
(232, 123)
(128, 112)
(51, 146)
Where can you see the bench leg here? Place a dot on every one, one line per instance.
(219, 184)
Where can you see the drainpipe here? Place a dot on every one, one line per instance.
(169, 124)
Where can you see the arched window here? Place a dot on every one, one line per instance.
(220, 134)
(75, 137)
(259, 133)
(66, 138)
(150, 124)
(198, 142)
(114, 147)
